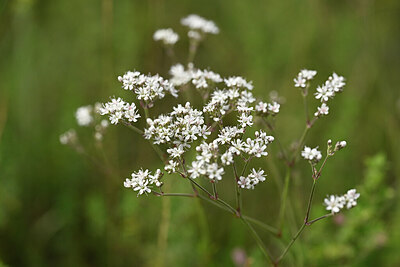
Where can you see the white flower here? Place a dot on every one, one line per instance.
(351, 198)
(245, 120)
(131, 113)
(68, 137)
(333, 203)
(214, 172)
(323, 110)
(262, 107)
(257, 176)
(274, 107)
(117, 110)
(311, 154)
(203, 78)
(244, 182)
(147, 87)
(179, 75)
(129, 79)
(336, 203)
(194, 35)
(238, 82)
(172, 166)
(323, 93)
(176, 152)
(84, 116)
(304, 76)
(142, 181)
(197, 169)
(227, 158)
(167, 36)
(336, 82)
(195, 22)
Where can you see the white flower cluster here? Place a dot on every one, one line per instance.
(147, 87)
(100, 129)
(84, 116)
(167, 36)
(224, 148)
(336, 203)
(180, 127)
(311, 154)
(303, 77)
(333, 85)
(199, 25)
(143, 181)
(252, 179)
(117, 109)
(69, 137)
(179, 75)
(203, 78)
(226, 100)
(237, 82)
(268, 108)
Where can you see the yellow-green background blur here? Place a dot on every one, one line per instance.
(58, 209)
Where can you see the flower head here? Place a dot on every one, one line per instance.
(167, 36)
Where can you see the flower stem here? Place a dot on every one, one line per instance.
(319, 218)
(283, 200)
(260, 243)
(266, 227)
(237, 189)
(310, 201)
(290, 244)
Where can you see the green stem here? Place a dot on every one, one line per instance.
(290, 244)
(310, 201)
(319, 218)
(260, 243)
(283, 200)
(237, 189)
(266, 227)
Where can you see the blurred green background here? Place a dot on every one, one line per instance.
(59, 209)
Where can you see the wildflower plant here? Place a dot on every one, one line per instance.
(217, 139)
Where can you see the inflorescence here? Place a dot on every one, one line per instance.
(210, 139)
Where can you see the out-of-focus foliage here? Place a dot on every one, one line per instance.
(58, 208)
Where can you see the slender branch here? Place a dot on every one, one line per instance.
(260, 243)
(319, 218)
(237, 189)
(214, 187)
(199, 186)
(304, 94)
(130, 126)
(290, 244)
(310, 201)
(283, 200)
(266, 227)
(322, 166)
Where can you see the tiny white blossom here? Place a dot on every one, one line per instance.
(244, 182)
(69, 137)
(304, 76)
(84, 116)
(167, 36)
(323, 110)
(179, 75)
(333, 203)
(351, 198)
(311, 154)
(274, 107)
(195, 22)
(245, 120)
